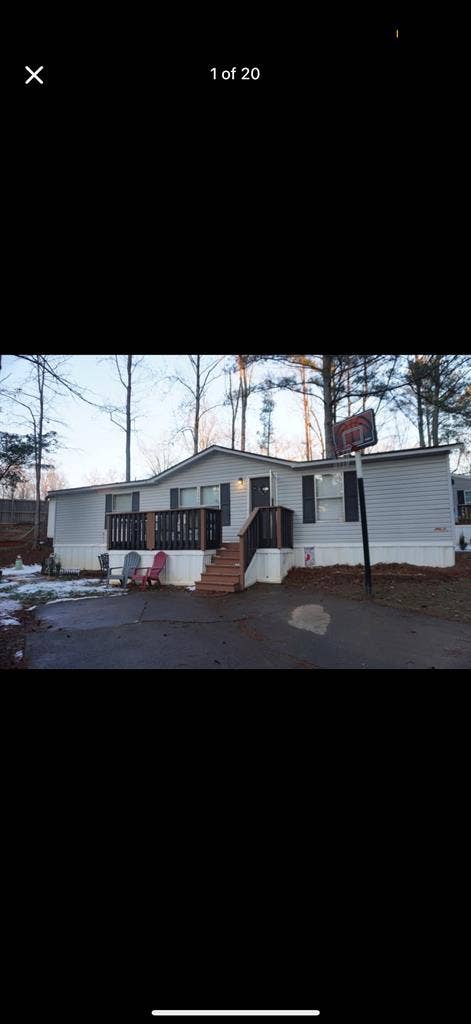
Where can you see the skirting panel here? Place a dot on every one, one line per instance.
(269, 565)
(183, 568)
(352, 554)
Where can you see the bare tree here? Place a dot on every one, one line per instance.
(232, 399)
(204, 370)
(160, 456)
(124, 416)
(33, 398)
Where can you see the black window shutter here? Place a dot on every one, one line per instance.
(309, 504)
(460, 497)
(225, 504)
(108, 506)
(174, 497)
(135, 501)
(351, 496)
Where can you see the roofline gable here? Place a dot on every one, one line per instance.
(289, 463)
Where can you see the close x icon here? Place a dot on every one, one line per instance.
(34, 76)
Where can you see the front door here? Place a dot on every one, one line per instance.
(260, 498)
(260, 492)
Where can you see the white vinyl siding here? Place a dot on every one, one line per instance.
(407, 501)
(217, 468)
(80, 518)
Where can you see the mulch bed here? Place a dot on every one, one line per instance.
(442, 593)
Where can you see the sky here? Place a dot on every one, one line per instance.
(92, 449)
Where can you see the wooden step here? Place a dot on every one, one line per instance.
(219, 588)
(222, 570)
(221, 577)
(225, 558)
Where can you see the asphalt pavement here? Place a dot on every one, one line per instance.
(266, 627)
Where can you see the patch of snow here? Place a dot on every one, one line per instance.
(191, 588)
(9, 622)
(57, 587)
(27, 570)
(19, 655)
(9, 605)
(62, 600)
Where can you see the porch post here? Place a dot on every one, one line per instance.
(203, 529)
(108, 532)
(242, 562)
(278, 528)
(150, 530)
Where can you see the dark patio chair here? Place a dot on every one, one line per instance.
(104, 561)
(123, 573)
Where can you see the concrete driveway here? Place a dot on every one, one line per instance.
(267, 627)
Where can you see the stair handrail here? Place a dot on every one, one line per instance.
(244, 559)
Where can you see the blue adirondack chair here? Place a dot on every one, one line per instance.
(123, 573)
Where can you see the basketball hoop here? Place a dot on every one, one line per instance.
(355, 433)
(352, 435)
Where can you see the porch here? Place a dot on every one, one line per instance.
(197, 555)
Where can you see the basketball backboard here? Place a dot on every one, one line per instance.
(354, 433)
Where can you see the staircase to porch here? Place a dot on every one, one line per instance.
(222, 576)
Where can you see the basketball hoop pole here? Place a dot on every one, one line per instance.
(364, 525)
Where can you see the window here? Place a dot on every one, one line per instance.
(210, 495)
(329, 497)
(122, 502)
(188, 497)
(467, 497)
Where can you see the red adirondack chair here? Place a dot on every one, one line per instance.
(147, 575)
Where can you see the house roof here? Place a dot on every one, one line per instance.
(401, 453)
(290, 463)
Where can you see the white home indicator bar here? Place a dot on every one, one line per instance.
(236, 1013)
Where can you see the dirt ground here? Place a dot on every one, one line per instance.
(442, 593)
(30, 553)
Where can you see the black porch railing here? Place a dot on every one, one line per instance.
(127, 531)
(178, 529)
(270, 527)
(181, 529)
(213, 528)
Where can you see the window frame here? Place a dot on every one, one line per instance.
(467, 501)
(123, 494)
(202, 486)
(190, 487)
(199, 489)
(331, 498)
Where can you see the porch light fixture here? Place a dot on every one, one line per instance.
(241, 479)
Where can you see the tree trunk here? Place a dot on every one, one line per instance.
(436, 397)
(244, 394)
(420, 417)
(40, 369)
(128, 419)
(328, 405)
(234, 402)
(307, 417)
(196, 428)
